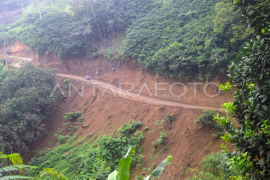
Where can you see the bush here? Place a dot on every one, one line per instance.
(94, 157)
(146, 128)
(162, 137)
(73, 115)
(185, 39)
(25, 103)
(207, 119)
(170, 117)
(215, 166)
(127, 129)
(67, 81)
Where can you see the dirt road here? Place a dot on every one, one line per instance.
(20, 59)
(122, 93)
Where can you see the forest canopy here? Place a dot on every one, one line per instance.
(25, 103)
(164, 36)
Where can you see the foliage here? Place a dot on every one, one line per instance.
(73, 28)
(17, 162)
(146, 128)
(122, 173)
(207, 119)
(162, 137)
(158, 171)
(165, 149)
(227, 87)
(53, 174)
(127, 129)
(73, 115)
(67, 81)
(159, 122)
(215, 166)
(251, 105)
(90, 157)
(170, 117)
(251, 111)
(255, 13)
(25, 103)
(179, 42)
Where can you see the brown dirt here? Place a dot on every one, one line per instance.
(187, 142)
(18, 49)
(129, 71)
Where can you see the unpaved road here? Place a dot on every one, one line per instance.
(122, 93)
(19, 64)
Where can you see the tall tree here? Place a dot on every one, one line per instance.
(251, 108)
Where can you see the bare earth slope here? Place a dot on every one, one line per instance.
(136, 97)
(105, 112)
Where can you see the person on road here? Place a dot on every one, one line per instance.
(87, 76)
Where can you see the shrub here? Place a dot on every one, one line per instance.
(170, 117)
(207, 119)
(73, 115)
(215, 166)
(165, 149)
(67, 81)
(95, 157)
(159, 122)
(162, 137)
(129, 128)
(146, 128)
(25, 103)
(62, 139)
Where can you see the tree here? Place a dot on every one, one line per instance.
(251, 108)
(25, 104)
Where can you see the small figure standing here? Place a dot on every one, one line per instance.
(87, 77)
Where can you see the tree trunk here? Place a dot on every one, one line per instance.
(96, 20)
(39, 12)
(5, 51)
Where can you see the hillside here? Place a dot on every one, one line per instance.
(104, 114)
(165, 37)
(159, 87)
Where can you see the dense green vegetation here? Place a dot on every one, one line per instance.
(215, 167)
(251, 107)
(91, 157)
(167, 37)
(207, 120)
(180, 42)
(73, 28)
(25, 103)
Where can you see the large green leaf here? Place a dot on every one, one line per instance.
(15, 158)
(15, 168)
(158, 171)
(113, 175)
(14, 177)
(123, 167)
